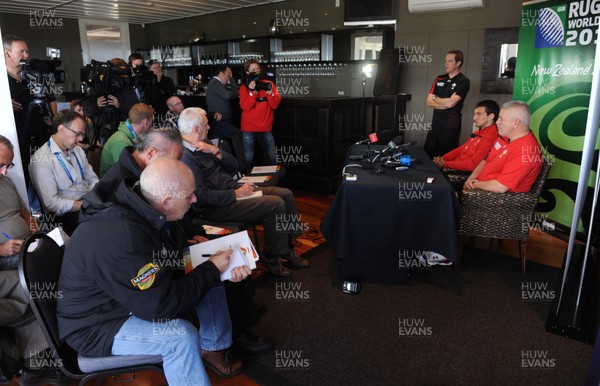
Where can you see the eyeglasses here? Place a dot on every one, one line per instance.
(77, 133)
(7, 166)
(176, 104)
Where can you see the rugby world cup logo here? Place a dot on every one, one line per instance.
(550, 27)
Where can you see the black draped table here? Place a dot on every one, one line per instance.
(379, 223)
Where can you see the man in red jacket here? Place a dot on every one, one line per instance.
(467, 156)
(258, 99)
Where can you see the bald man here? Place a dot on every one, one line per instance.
(515, 160)
(140, 120)
(124, 291)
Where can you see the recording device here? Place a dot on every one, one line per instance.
(350, 287)
(142, 77)
(260, 82)
(41, 75)
(105, 77)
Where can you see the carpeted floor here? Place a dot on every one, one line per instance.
(475, 326)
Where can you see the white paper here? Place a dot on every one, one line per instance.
(59, 236)
(264, 169)
(256, 193)
(253, 179)
(243, 253)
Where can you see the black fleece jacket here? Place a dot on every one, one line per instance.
(119, 263)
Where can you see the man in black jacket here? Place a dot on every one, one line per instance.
(221, 199)
(122, 291)
(167, 142)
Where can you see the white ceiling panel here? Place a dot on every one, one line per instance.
(131, 11)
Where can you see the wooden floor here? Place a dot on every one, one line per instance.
(541, 248)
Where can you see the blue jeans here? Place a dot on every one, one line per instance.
(266, 142)
(178, 341)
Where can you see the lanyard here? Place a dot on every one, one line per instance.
(58, 156)
(130, 128)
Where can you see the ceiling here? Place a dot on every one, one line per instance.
(131, 11)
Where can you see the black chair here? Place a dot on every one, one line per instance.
(39, 270)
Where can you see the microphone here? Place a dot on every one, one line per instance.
(372, 139)
(392, 145)
(400, 148)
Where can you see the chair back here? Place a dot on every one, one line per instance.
(538, 185)
(40, 261)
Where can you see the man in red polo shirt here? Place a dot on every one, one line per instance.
(467, 156)
(515, 159)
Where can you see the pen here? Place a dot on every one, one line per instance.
(206, 255)
(6, 236)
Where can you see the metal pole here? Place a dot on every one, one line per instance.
(589, 144)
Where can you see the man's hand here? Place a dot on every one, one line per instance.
(252, 85)
(197, 239)
(76, 205)
(218, 116)
(221, 259)
(16, 105)
(240, 273)
(245, 190)
(470, 184)
(439, 162)
(113, 101)
(205, 147)
(10, 247)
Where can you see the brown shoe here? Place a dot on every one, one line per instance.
(295, 260)
(275, 267)
(222, 364)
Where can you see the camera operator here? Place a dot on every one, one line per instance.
(108, 105)
(258, 99)
(166, 86)
(145, 82)
(33, 127)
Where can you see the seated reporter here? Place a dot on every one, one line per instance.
(166, 142)
(16, 224)
(139, 120)
(220, 199)
(119, 288)
(60, 171)
(515, 160)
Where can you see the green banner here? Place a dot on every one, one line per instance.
(557, 43)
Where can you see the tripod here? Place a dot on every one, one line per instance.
(105, 124)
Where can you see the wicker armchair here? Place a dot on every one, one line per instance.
(502, 215)
(456, 177)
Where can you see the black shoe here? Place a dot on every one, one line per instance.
(38, 377)
(261, 308)
(253, 344)
(275, 267)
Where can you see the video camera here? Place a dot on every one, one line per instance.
(41, 75)
(105, 77)
(260, 80)
(142, 77)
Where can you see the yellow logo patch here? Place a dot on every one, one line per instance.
(145, 276)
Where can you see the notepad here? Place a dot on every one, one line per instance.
(243, 252)
(265, 169)
(254, 179)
